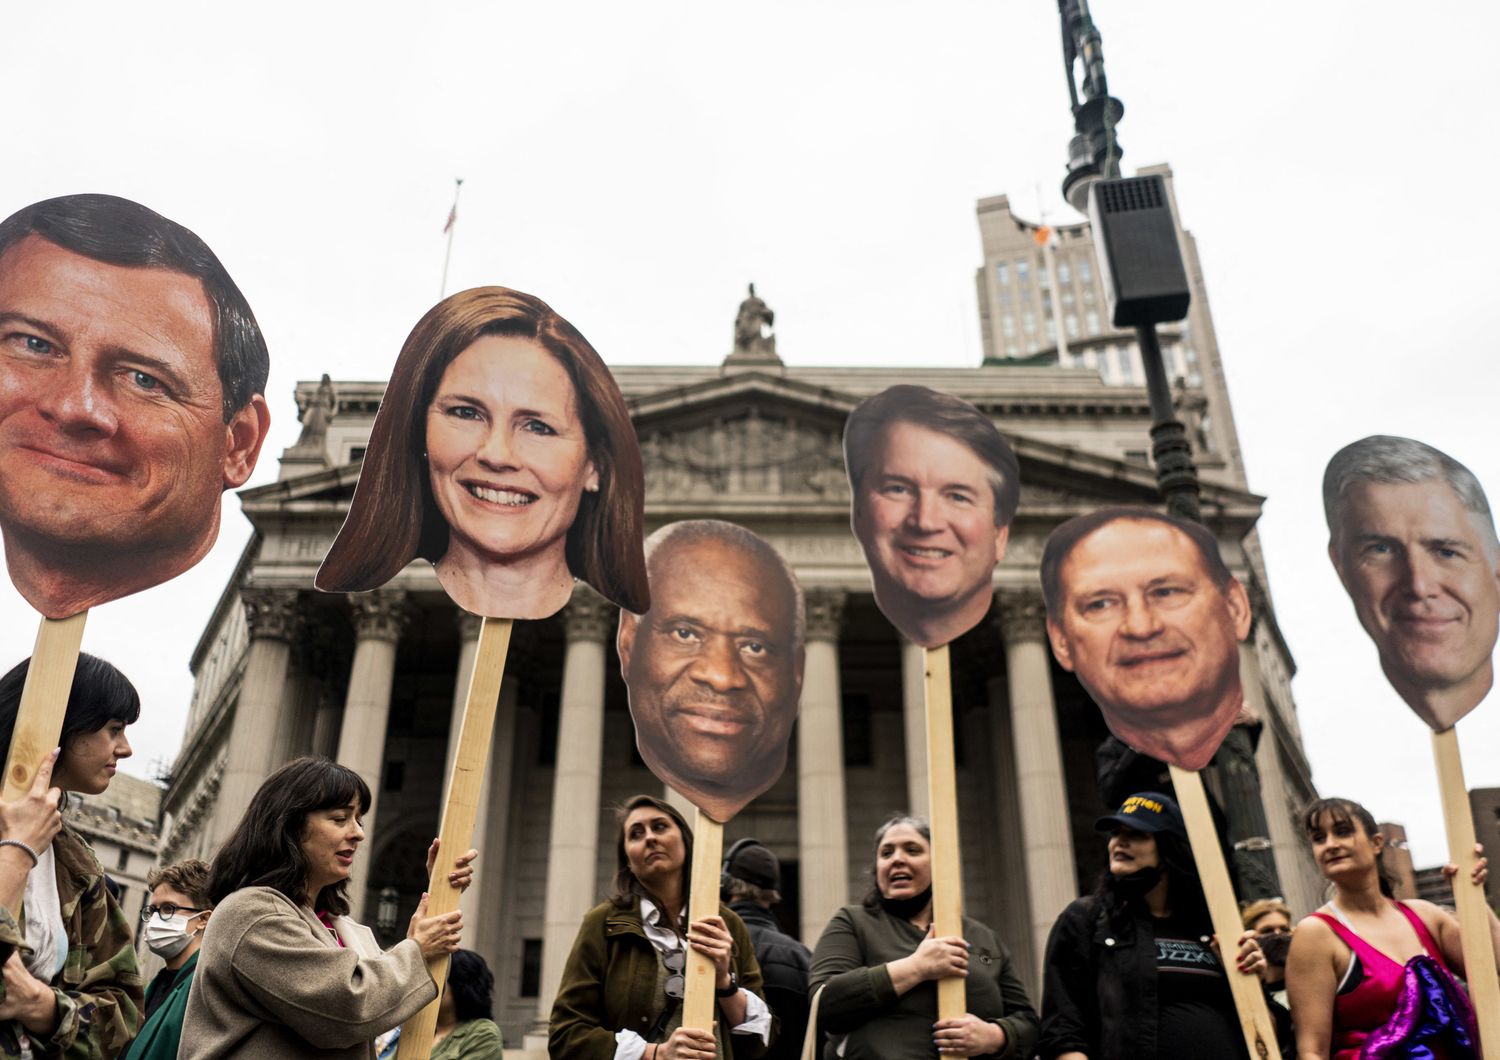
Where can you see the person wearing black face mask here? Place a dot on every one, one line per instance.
(1132, 971)
(881, 962)
(172, 926)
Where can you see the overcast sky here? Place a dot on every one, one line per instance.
(636, 165)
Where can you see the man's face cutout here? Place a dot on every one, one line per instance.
(114, 450)
(714, 671)
(1422, 574)
(1152, 637)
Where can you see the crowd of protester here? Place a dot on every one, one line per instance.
(261, 958)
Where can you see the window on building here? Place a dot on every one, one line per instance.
(1028, 322)
(1071, 323)
(124, 861)
(1125, 363)
(1023, 273)
(1137, 456)
(1067, 296)
(1051, 329)
(531, 967)
(1008, 324)
(1043, 277)
(1085, 270)
(1012, 349)
(1005, 296)
(1064, 273)
(1088, 293)
(1032, 346)
(859, 737)
(1091, 321)
(1002, 273)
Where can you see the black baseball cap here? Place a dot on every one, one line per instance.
(1146, 811)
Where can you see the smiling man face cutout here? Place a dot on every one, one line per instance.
(131, 380)
(714, 668)
(1412, 538)
(1141, 607)
(934, 487)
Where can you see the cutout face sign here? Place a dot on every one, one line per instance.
(934, 487)
(132, 374)
(714, 668)
(503, 453)
(1141, 607)
(1413, 540)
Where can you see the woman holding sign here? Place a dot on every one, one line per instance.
(283, 970)
(1132, 971)
(880, 963)
(503, 453)
(621, 992)
(1366, 969)
(79, 989)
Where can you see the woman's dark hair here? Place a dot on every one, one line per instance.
(472, 985)
(265, 848)
(626, 889)
(1347, 811)
(100, 694)
(872, 896)
(393, 517)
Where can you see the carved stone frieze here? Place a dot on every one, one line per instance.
(270, 614)
(750, 454)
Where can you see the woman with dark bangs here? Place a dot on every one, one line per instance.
(1133, 971)
(283, 971)
(1367, 971)
(79, 989)
(504, 454)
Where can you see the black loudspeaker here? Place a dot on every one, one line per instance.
(1140, 260)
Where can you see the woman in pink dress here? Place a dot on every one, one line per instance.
(1369, 976)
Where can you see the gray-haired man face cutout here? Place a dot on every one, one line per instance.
(1423, 576)
(714, 672)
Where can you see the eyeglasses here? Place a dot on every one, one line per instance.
(675, 962)
(167, 910)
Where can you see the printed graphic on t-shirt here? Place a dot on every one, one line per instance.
(1185, 955)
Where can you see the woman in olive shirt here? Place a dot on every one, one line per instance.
(880, 963)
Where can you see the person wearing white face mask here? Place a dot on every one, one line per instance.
(172, 926)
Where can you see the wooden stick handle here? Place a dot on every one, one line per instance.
(462, 807)
(698, 1001)
(1468, 898)
(1249, 1000)
(942, 806)
(44, 701)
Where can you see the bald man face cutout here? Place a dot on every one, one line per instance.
(714, 668)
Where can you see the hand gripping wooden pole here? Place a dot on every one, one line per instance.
(942, 806)
(44, 701)
(698, 1000)
(1468, 899)
(457, 827)
(1224, 911)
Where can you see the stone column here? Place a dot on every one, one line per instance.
(272, 618)
(822, 840)
(914, 714)
(1051, 879)
(573, 847)
(1009, 863)
(378, 621)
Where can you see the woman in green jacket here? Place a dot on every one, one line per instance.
(621, 992)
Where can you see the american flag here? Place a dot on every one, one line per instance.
(452, 216)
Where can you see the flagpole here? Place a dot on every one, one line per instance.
(458, 183)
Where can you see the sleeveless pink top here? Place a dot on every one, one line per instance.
(1373, 1001)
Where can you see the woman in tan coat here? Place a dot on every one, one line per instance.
(283, 972)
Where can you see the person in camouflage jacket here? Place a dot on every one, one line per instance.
(99, 991)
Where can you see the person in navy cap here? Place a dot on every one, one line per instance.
(1132, 970)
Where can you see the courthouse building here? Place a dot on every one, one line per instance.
(376, 680)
